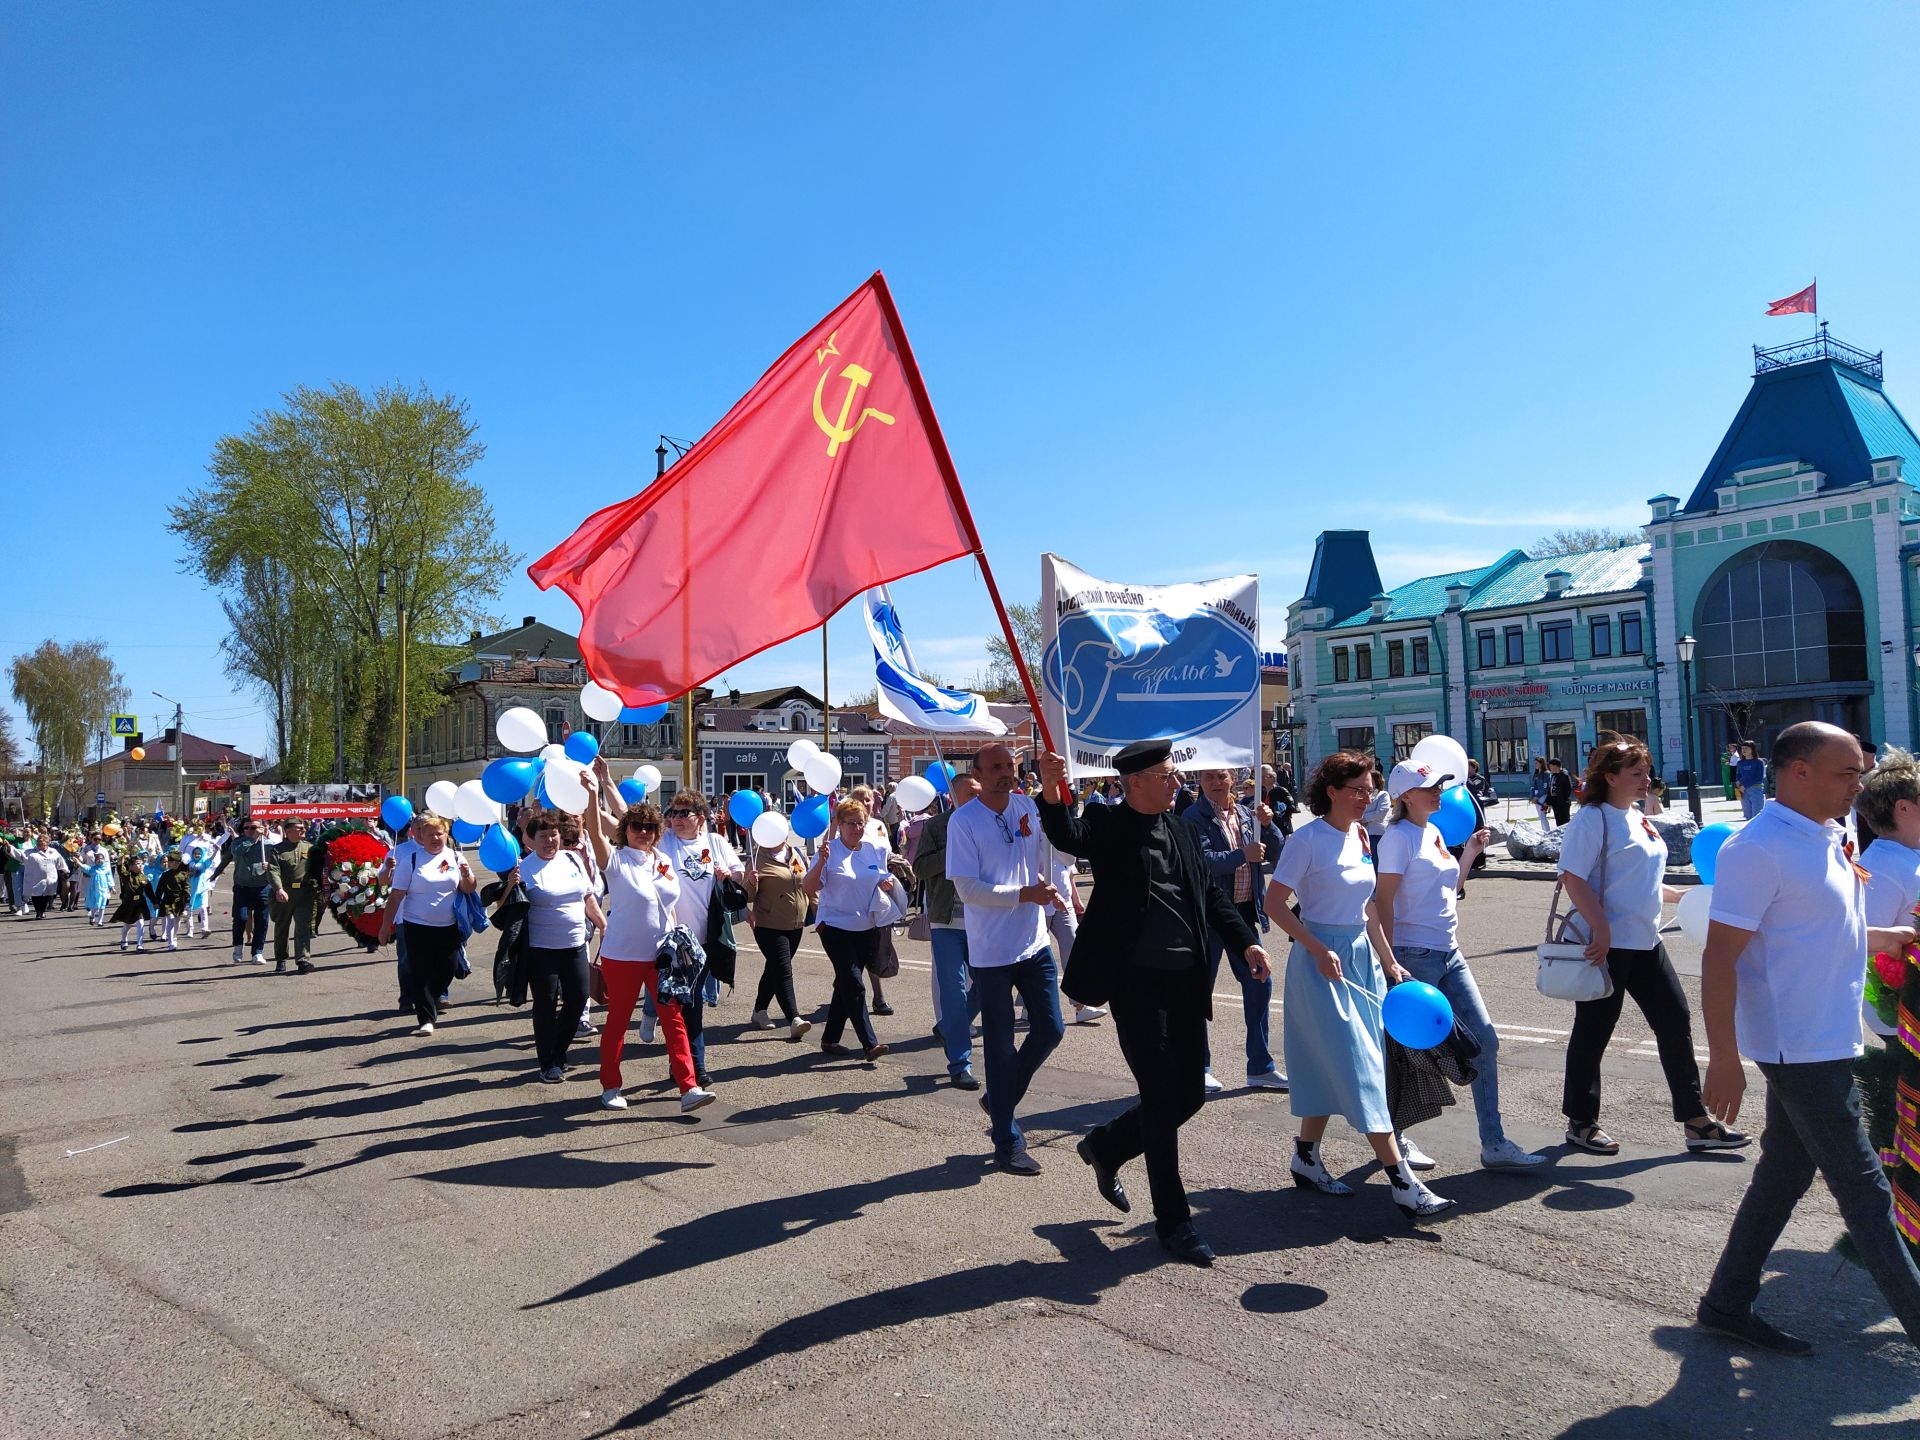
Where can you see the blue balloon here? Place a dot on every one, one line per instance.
(745, 807)
(540, 796)
(499, 851)
(940, 776)
(1706, 849)
(809, 819)
(581, 747)
(396, 813)
(632, 791)
(1417, 1015)
(464, 833)
(1456, 817)
(641, 714)
(508, 779)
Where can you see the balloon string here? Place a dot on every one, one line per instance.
(1362, 990)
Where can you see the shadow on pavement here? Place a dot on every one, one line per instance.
(558, 1170)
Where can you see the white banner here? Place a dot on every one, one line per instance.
(1123, 663)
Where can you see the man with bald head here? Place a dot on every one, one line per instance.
(1780, 983)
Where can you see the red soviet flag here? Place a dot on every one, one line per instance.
(1803, 303)
(827, 477)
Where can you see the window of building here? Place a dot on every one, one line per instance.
(1630, 635)
(1627, 724)
(1600, 636)
(1340, 663)
(1363, 662)
(1489, 652)
(1396, 657)
(1556, 640)
(1420, 660)
(731, 783)
(1405, 737)
(556, 723)
(1516, 636)
(1563, 744)
(1783, 613)
(1505, 739)
(1354, 737)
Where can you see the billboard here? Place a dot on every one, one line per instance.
(356, 800)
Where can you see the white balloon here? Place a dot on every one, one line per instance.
(599, 702)
(474, 805)
(799, 752)
(648, 778)
(1692, 910)
(822, 772)
(440, 797)
(520, 730)
(915, 793)
(1443, 755)
(554, 755)
(565, 787)
(770, 829)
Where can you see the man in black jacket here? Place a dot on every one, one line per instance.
(1142, 949)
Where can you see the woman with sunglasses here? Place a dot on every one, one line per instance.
(1335, 1042)
(845, 877)
(560, 902)
(701, 857)
(642, 889)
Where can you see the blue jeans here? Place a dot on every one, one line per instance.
(1011, 1070)
(1256, 1000)
(957, 998)
(695, 1019)
(1447, 972)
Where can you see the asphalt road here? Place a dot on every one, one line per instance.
(317, 1226)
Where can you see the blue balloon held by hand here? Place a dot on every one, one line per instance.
(940, 776)
(810, 817)
(396, 813)
(508, 779)
(1706, 849)
(1417, 1015)
(499, 851)
(581, 747)
(745, 807)
(632, 791)
(1456, 817)
(465, 833)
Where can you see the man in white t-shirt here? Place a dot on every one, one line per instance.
(1780, 983)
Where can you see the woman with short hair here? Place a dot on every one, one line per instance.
(425, 878)
(561, 900)
(846, 876)
(778, 912)
(703, 858)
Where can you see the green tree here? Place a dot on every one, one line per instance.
(1002, 680)
(319, 525)
(1573, 540)
(67, 691)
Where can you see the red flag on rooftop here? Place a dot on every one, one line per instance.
(1803, 303)
(829, 476)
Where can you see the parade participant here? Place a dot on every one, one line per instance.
(1417, 885)
(252, 874)
(1780, 983)
(996, 861)
(1142, 952)
(561, 902)
(947, 935)
(1334, 1037)
(294, 868)
(42, 867)
(202, 855)
(877, 832)
(171, 895)
(1750, 778)
(424, 882)
(130, 876)
(1613, 862)
(702, 858)
(844, 879)
(1063, 923)
(778, 915)
(96, 864)
(1235, 841)
(1540, 792)
(642, 888)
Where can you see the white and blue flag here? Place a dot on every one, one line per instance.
(908, 697)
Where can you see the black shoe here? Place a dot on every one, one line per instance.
(1105, 1179)
(281, 968)
(305, 967)
(702, 1079)
(1183, 1244)
(881, 1010)
(1751, 1328)
(965, 1081)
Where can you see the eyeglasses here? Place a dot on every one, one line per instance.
(1366, 792)
(681, 814)
(1005, 832)
(646, 827)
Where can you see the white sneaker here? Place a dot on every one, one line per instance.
(173, 944)
(1416, 1158)
(1087, 1014)
(426, 1029)
(585, 1027)
(1508, 1156)
(1211, 1085)
(258, 958)
(798, 1028)
(760, 1021)
(1272, 1080)
(646, 1029)
(612, 1100)
(694, 1099)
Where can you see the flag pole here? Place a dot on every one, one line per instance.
(906, 650)
(826, 701)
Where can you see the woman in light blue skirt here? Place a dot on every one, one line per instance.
(1335, 1046)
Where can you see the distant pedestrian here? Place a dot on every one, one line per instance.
(1540, 792)
(1559, 792)
(1750, 778)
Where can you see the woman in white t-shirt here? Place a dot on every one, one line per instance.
(1419, 884)
(425, 878)
(1335, 1044)
(702, 858)
(1890, 804)
(1619, 913)
(845, 877)
(561, 900)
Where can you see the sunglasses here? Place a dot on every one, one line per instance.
(681, 814)
(646, 826)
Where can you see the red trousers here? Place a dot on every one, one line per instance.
(625, 980)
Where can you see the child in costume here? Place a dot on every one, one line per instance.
(97, 866)
(172, 893)
(200, 857)
(136, 893)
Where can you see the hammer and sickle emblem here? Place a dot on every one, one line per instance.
(858, 377)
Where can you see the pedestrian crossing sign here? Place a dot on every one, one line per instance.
(126, 725)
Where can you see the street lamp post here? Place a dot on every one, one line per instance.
(1486, 751)
(1683, 647)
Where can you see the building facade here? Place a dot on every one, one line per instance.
(744, 744)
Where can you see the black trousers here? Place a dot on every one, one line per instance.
(1160, 1020)
(557, 988)
(1646, 975)
(41, 903)
(776, 976)
(851, 951)
(430, 952)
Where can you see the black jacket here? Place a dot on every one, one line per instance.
(1109, 837)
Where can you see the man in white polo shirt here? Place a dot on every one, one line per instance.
(1780, 983)
(996, 859)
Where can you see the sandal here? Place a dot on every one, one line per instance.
(1714, 1136)
(1592, 1139)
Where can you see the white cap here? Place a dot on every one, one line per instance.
(1409, 776)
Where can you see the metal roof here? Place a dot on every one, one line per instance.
(1591, 572)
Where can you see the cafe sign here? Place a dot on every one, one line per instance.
(1570, 692)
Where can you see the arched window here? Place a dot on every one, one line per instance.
(1780, 614)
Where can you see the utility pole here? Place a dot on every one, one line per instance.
(179, 756)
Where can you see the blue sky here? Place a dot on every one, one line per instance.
(1188, 284)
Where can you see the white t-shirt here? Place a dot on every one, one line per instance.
(991, 856)
(1636, 867)
(557, 890)
(641, 890)
(848, 883)
(1330, 873)
(1423, 906)
(695, 862)
(1893, 888)
(429, 881)
(1785, 878)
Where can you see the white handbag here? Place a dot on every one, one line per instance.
(889, 907)
(1564, 972)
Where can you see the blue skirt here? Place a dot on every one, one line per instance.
(1336, 1052)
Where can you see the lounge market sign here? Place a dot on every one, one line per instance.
(1573, 692)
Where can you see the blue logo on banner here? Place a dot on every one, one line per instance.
(1124, 674)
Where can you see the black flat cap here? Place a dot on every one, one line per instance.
(1142, 755)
